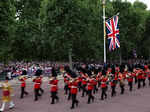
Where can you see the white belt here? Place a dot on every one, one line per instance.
(37, 83)
(53, 85)
(73, 87)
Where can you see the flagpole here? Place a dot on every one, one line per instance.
(112, 17)
(104, 25)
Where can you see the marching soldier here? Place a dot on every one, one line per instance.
(69, 86)
(121, 79)
(80, 82)
(144, 75)
(54, 88)
(113, 81)
(135, 75)
(130, 80)
(148, 73)
(113, 87)
(66, 81)
(95, 90)
(22, 79)
(41, 90)
(6, 97)
(84, 84)
(104, 85)
(139, 77)
(37, 83)
(89, 90)
(98, 78)
(74, 91)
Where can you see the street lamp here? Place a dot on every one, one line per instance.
(70, 58)
(103, 2)
(104, 27)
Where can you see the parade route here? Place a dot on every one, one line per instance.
(75, 56)
(135, 101)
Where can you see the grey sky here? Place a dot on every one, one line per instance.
(147, 2)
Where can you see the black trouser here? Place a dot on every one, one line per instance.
(36, 92)
(95, 89)
(79, 86)
(23, 92)
(143, 80)
(104, 93)
(66, 89)
(41, 90)
(99, 83)
(69, 95)
(113, 92)
(54, 96)
(135, 79)
(90, 96)
(139, 83)
(130, 85)
(74, 100)
(122, 89)
(84, 90)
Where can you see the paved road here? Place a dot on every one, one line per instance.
(135, 101)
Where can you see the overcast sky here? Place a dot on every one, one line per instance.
(147, 2)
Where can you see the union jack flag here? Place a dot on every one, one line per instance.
(112, 30)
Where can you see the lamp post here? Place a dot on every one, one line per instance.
(70, 58)
(104, 28)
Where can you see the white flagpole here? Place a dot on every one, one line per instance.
(104, 3)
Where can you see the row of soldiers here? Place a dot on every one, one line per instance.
(88, 81)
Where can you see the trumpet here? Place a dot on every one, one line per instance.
(22, 77)
(71, 80)
(51, 78)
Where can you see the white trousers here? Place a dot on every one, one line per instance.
(11, 105)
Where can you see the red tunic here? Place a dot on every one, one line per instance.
(66, 80)
(84, 82)
(80, 79)
(54, 86)
(116, 78)
(148, 72)
(74, 88)
(23, 83)
(69, 84)
(103, 82)
(125, 74)
(90, 85)
(144, 75)
(94, 82)
(130, 79)
(149, 75)
(112, 84)
(120, 77)
(146, 67)
(140, 73)
(117, 69)
(37, 83)
(133, 74)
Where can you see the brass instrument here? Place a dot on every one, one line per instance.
(51, 78)
(21, 77)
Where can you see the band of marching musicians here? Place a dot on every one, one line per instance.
(88, 81)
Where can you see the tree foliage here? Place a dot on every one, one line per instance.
(50, 29)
